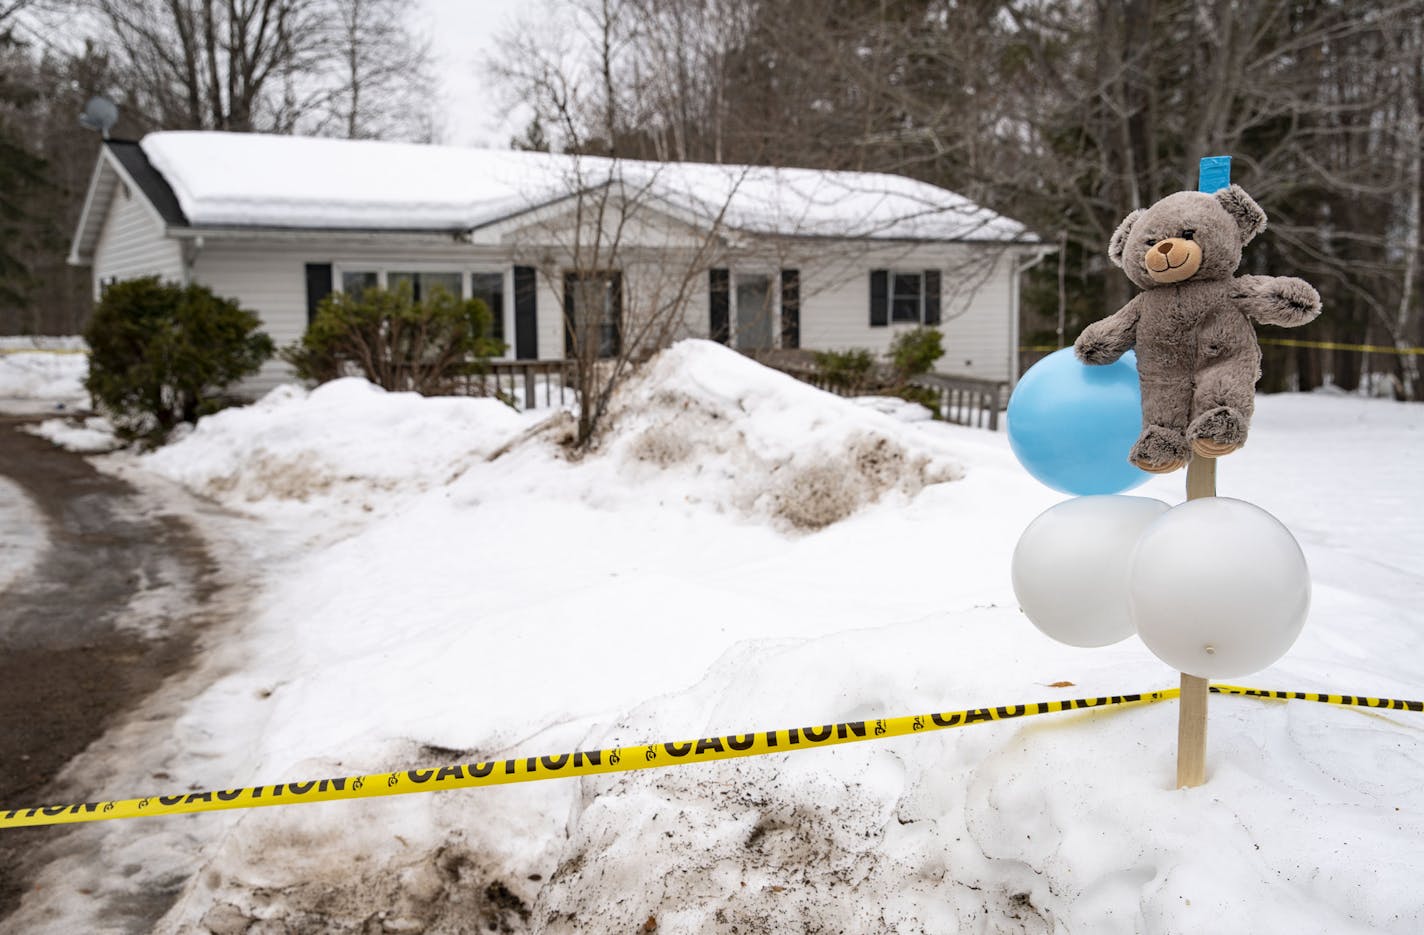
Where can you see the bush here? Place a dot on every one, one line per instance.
(161, 354)
(913, 353)
(396, 342)
(851, 371)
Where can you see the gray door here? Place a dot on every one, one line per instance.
(754, 313)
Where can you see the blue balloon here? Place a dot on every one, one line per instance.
(1072, 425)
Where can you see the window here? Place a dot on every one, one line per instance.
(423, 285)
(593, 313)
(489, 287)
(483, 284)
(353, 284)
(907, 298)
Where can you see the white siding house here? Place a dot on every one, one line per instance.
(759, 258)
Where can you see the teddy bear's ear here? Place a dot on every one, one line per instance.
(1250, 219)
(1119, 237)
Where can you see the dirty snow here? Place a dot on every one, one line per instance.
(531, 604)
(347, 443)
(288, 181)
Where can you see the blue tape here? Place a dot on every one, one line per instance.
(1214, 174)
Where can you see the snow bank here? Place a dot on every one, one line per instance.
(702, 427)
(720, 427)
(53, 373)
(347, 442)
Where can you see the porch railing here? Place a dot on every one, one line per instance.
(534, 383)
(526, 383)
(961, 400)
(966, 400)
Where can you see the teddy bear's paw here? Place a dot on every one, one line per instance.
(1160, 450)
(1217, 432)
(1094, 351)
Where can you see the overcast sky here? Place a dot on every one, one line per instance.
(463, 34)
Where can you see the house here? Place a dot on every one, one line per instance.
(759, 258)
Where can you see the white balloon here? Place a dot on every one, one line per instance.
(1219, 588)
(1070, 567)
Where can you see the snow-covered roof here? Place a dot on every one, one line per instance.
(232, 179)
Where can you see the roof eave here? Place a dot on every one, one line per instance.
(108, 169)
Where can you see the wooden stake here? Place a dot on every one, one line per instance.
(1191, 732)
(1191, 715)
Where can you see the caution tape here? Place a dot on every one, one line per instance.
(1337, 346)
(1285, 342)
(41, 350)
(616, 760)
(1354, 701)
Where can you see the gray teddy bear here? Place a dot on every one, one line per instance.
(1197, 356)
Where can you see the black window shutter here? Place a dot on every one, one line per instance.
(615, 347)
(879, 298)
(571, 282)
(318, 287)
(932, 294)
(790, 308)
(526, 313)
(719, 305)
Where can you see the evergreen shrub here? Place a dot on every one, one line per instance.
(161, 354)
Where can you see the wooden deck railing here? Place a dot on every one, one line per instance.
(961, 400)
(526, 383)
(533, 383)
(966, 400)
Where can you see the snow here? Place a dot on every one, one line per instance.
(299, 447)
(44, 370)
(251, 179)
(23, 535)
(504, 599)
(92, 435)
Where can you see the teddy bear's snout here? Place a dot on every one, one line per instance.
(1173, 260)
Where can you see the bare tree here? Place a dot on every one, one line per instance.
(350, 67)
(213, 64)
(384, 71)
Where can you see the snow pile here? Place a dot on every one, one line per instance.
(93, 435)
(288, 181)
(701, 428)
(44, 369)
(343, 443)
(723, 428)
(535, 606)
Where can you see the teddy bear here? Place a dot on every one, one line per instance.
(1197, 356)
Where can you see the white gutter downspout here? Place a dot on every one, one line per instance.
(191, 249)
(1020, 267)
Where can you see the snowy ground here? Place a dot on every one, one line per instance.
(745, 552)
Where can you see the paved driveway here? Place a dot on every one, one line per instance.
(103, 617)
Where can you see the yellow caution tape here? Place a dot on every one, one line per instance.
(1337, 346)
(1355, 701)
(42, 350)
(617, 760)
(1288, 342)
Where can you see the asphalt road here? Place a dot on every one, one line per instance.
(94, 627)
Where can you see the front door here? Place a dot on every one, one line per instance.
(754, 313)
